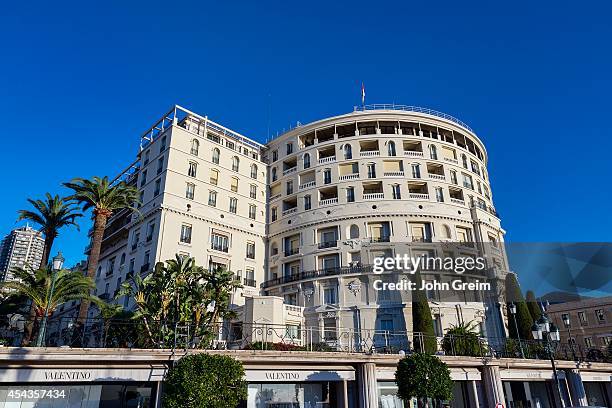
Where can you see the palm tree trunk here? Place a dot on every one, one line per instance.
(101, 217)
(47, 251)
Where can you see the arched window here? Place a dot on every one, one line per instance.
(416, 170)
(215, 155)
(348, 151)
(195, 147)
(447, 231)
(433, 152)
(235, 163)
(254, 171)
(391, 148)
(273, 173)
(354, 231)
(464, 160)
(307, 160)
(274, 248)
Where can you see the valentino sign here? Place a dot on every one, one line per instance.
(68, 375)
(282, 375)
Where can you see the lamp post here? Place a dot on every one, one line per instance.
(567, 324)
(56, 265)
(518, 336)
(546, 332)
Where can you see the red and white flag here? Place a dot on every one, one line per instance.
(362, 94)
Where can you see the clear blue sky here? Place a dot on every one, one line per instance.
(79, 83)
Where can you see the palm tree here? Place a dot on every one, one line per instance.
(102, 197)
(48, 289)
(51, 214)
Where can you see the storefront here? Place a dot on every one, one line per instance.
(597, 388)
(533, 388)
(300, 387)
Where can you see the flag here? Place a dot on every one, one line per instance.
(362, 94)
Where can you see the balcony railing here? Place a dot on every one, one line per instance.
(419, 196)
(275, 196)
(373, 196)
(369, 153)
(437, 176)
(457, 201)
(290, 211)
(290, 170)
(308, 184)
(250, 282)
(328, 244)
(451, 160)
(413, 153)
(380, 239)
(349, 176)
(421, 239)
(393, 174)
(328, 201)
(292, 251)
(327, 159)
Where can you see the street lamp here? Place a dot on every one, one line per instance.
(567, 323)
(518, 336)
(546, 332)
(56, 265)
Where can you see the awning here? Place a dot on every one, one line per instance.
(457, 373)
(299, 374)
(81, 374)
(593, 376)
(218, 260)
(529, 375)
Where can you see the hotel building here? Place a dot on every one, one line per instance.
(22, 246)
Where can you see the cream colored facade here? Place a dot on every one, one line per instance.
(327, 198)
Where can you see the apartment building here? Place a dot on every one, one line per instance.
(21, 246)
(303, 217)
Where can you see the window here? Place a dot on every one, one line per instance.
(354, 231)
(329, 296)
(190, 191)
(234, 185)
(122, 259)
(250, 250)
(254, 171)
(391, 148)
(582, 318)
(274, 213)
(235, 163)
(307, 202)
(307, 160)
(386, 324)
(252, 211)
(146, 157)
(274, 174)
(132, 267)
(371, 170)
(214, 177)
(416, 170)
(439, 195)
(348, 151)
(146, 259)
(291, 299)
(162, 146)
(396, 192)
(233, 204)
(478, 187)
(135, 239)
(195, 147)
(250, 277)
(253, 191)
(150, 230)
(157, 187)
(219, 242)
(289, 148)
(275, 155)
(160, 165)
(185, 234)
(215, 155)
(290, 187)
(350, 194)
(212, 198)
(327, 176)
(143, 178)
(193, 169)
(467, 181)
(464, 161)
(292, 331)
(601, 317)
(588, 341)
(433, 152)
(475, 167)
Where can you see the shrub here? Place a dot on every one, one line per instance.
(422, 323)
(205, 381)
(462, 340)
(422, 376)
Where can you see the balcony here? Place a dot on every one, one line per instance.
(369, 153)
(457, 201)
(250, 282)
(451, 160)
(437, 176)
(384, 238)
(373, 196)
(349, 177)
(289, 170)
(290, 211)
(328, 244)
(419, 196)
(413, 153)
(394, 173)
(292, 251)
(329, 159)
(421, 239)
(328, 201)
(307, 185)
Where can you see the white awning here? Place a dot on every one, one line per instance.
(299, 374)
(594, 376)
(457, 374)
(529, 375)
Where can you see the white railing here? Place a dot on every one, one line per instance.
(437, 176)
(454, 161)
(349, 176)
(393, 173)
(275, 196)
(290, 211)
(289, 171)
(413, 153)
(306, 185)
(373, 196)
(457, 201)
(419, 196)
(328, 201)
(369, 153)
(327, 159)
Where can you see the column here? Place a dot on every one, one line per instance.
(493, 385)
(576, 387)
(368, 390)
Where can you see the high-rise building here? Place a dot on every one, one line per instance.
(305, 216)
(22, 246)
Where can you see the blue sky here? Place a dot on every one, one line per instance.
(79, 82)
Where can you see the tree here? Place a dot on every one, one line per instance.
(462, 340)
(51, 215)
(524, 321)
(423, 376)
(422, 324)
(533, 306)
(103, 198)
(205, 381)
(181, 294)
(48, 289)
